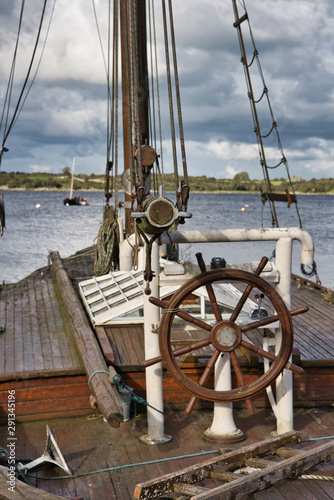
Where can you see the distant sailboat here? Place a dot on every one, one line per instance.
(76, 200)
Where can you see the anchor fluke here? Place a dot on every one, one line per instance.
(52, 454)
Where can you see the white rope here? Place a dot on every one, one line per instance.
(312, 476)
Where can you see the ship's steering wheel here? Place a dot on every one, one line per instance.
(225, 335)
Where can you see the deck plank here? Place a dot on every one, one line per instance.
(38, 358)
(28, 344)
(9, 333)
(89, 445)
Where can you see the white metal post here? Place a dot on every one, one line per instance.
(284, 382)
(223, 428)
(154, 392)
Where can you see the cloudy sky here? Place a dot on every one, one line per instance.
(65, 113)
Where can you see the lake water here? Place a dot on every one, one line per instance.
(32, 232)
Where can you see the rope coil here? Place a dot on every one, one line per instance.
(106, 253)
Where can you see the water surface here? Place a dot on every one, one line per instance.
(31, 233)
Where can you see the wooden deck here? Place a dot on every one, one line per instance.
(42, 364)
(41, 361)
(91, 445)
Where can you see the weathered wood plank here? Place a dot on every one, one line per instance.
(8, 336)
(125, 350)
(17, 333)
(109, 401)
(243, 485)
(202, 470)
(22, 491)
(58, 339)
(26, 333)
(189, 489)
(105, 344)
(43, 326)
(137, 343)
(38, 360)
(261, 480)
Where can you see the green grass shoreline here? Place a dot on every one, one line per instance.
(241, 183)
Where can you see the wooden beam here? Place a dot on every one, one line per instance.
(109, 401)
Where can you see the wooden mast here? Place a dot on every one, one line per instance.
(126, 85)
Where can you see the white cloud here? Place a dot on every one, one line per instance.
(225, 150)
(66, 109)
(231, 172)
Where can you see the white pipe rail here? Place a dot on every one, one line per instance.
(235, 235)
(284, 238)
(226, 235)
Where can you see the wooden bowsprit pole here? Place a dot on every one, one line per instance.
(107, 397)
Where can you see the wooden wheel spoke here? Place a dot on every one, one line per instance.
(214, 304)
(259, 323)
(190, 406)
(209, 289)
(247, 291)
(208, 369)
(258, 350)
(193, 347)
(268, 355)
(178, 352)
(241, 380)
(203, 380)
(237, 369)
(271, 319)
(181, 314)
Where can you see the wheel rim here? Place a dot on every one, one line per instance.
(226, 336)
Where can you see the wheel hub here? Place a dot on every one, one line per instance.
(226, 336)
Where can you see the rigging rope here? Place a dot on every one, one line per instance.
(11, 78)
(177, 92)
(107, 250)
(128, 66)
(38, 64)
(157, 177)
(158, 88)
(170, 95)
(265, 167)
(253, 102)
(120, 467)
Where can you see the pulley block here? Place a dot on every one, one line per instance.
(158, 215)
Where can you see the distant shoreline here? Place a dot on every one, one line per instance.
(241, 183)
(77, 192)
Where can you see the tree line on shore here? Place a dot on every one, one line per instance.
(83, 182)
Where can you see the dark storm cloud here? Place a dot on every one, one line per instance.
(65, 113)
